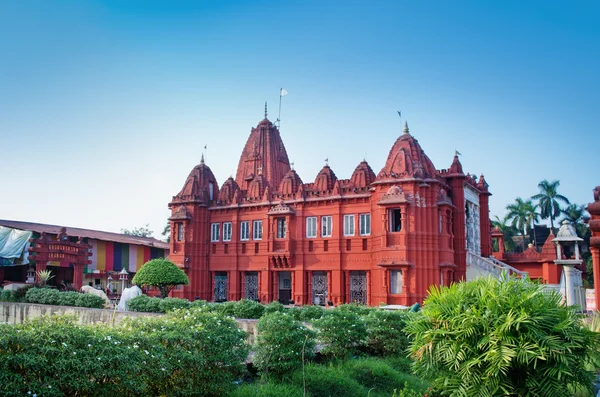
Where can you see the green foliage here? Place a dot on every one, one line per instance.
(268, 390)
(328, 381)
(549, 200)
(248, 309)
(200, 304)
(400, 363)
(361, 310)
(311, 312)
(376, 375)
(342, 333)
(44, 276)
(187, 353)
(225, 308)
(17, 295)
(274, 307)
(144, 303)
(491, 337)
(160, 273)
(48, 296)
(143, 231)
(280, 344)
(170, 304)
(385, 332)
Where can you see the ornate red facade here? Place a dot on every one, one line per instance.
(384, 238)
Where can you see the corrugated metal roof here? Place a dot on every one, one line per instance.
(93, 234)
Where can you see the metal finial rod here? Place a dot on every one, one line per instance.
(265, 109)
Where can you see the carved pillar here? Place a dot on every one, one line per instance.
(78, 276)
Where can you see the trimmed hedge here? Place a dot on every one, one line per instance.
(48, 296)
(185, 353)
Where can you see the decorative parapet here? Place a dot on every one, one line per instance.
(281, 209)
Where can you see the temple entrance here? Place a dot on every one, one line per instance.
(251, 286)
(358, 287)
(220, 286)
(319, 288)
(285, 287)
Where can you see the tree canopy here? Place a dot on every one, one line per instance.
(549, 200)
(160, 273)
(143, 231)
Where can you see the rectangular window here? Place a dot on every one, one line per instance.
(311, 227)
(257, 230)
(395, 281)
(395, 220)
(214, 232)
(227, 231)
(179, 231)
(244, 230)
(348, 225)
(280, 227)
(365, 224)
(326, 226)
(311, 246)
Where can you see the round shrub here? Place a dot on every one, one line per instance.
(311, 312)
(274, 307)
(225, 308)
(68, 298)
(341, 332)
(169, 304)
(385, 332)
(268, 390)
(501, 336)
(248, 309)
(89, 300)
(295, 312)
(328, 381)
(281, 343)
(160, 273)
(46, 296)
(144, 303)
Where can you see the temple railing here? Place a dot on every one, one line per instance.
(481, 266)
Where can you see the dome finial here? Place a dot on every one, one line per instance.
(265, 109)
(406, 127)
(202, 159)
(292, 165)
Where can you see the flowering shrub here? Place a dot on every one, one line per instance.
(361, 310)
(183, 353)
(169, 304)
(342, 332)
(144, 303)
(274, 307)
(50, 296)
(281, 343)
(310, 312)
(385, 332)
(248, 309)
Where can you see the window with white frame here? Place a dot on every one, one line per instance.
(395, 281)
(311, 227)
(326, 226)
(257, 230)
(214, 232)
(244, 230)
(280, 227)
(348, 225)
(227, 231)
(365, 224)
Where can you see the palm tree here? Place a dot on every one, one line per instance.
(575, 214)
(167, 232)
(549, 200)
(507, 230)
(522, 215)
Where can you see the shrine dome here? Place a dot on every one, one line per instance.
(290, 183)
(407, 160)
(325, 179)
(227, 192)
(257, 187)
(363, 175)
(200, 185)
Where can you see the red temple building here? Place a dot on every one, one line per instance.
(382, 238)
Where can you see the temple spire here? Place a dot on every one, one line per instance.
(406, 127)
(202, 159)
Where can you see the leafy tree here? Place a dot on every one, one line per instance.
(507, 230)
(143, 231)
(549, 200)
(523, 215)
(502, 337)
(575, 214)
(160, 273)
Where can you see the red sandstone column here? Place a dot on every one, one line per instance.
(458, 228)
(596, 265)
(484, 225)
(78, 276)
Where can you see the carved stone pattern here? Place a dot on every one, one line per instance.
(358, 288)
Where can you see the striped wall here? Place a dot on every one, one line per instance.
(108, 256)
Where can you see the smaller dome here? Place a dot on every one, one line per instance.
(200, 185)
(567, 232)
(256, 188)
(394, 190)
(363, 175)
(325, 180)
(228, 191)
(290, 183)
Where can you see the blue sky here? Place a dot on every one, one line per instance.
(105, 106)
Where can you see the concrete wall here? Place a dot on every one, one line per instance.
(17, 313)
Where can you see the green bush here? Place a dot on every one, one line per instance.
(48, 296)
(328, 381)
(489, 337)
(311, 312)
(400, 363)
(361, 310)
(385, 332)
(68, 298)
(295, 312)
(6, 295)
(45, 296)
(160, 273)
(169, 304)
(225, 308)
(280, 344)
(274, 307)
(89, 300)
(375, 374)
(248, 309)
(268, 390)
(200, 304)
(183, 353)
(341, 332)
(144, 303)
